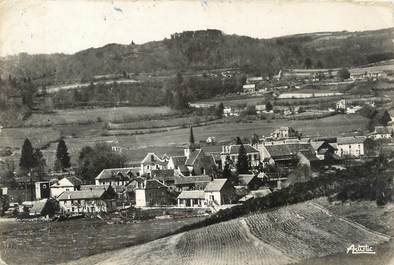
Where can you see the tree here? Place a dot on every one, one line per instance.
(308, 63)
(62, 157)
(268, 106)
(343, 74)
(191, 136)
(39, 162)
(319, 64)
(26, 161)
(242, 162)
(219, 110)
(92, 160)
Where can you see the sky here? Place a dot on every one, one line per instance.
(50, 26)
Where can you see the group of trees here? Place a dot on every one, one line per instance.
(33, 162)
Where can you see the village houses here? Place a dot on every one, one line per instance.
(65, 184)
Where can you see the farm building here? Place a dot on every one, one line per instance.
(151, 162)
(153, 193)
(284, 133)
(308, 95)
(350, 146)
(191, 198)
(219, 192)
(233, 150)
(249, 88)
(191, 182)
(116, 176)
(283, 154)
(381, 132)
(44, 207)
(86, 201)
(65, 184)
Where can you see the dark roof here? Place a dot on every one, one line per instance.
(280, 150)
(93, 187)
(351, 140)
(152, 158)
(118, 173)
(244, 180)
(75, 181)
(215, 185)
(192, 194)
(81, 195)
(178, 160)
(38, 206)
(192, 157)
(163, 174)
(234, 149)
(184, 170)
(309, 155)
(151, 184)
(192, 179)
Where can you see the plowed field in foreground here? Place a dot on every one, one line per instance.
(286, 235)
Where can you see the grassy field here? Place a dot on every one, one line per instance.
(120, 114)
(33, 243)
(287, 235)
(235, 101)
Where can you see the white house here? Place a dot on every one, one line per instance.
(152, 162)
(85, 201)
(152, 193)
(116, 176)
(219, 192)
(249, 88)
(380, 132)
(65, 184)
(350, 146)
(191, 198)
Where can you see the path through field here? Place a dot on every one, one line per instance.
(283, 236)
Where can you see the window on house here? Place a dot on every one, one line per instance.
(72, 209)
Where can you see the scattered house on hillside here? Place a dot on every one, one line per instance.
(284, 133)
(211, 140)
(219, 192)
(381, 132)
(233, 151)
(191, 198)
(260, 109)
(250, 181)
(191, 182)
(291, 95)
(153, 193)
(201, 105)
(116, 176)
(254, 79)
(249, 88)
(86, 201)
(165, 176)
(65, 184)
(353, 109)
(232, 111)
(152, 162)
(350, 146)
(341, 105)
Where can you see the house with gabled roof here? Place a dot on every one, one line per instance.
(153, 193)
(381, 132)
(86, 201)
(65, 184)
(175, 161)
(165, 176)
(152, 162)
(352, 146)
(116, 176)
(191, 198)
(219, 192)
(183, 182)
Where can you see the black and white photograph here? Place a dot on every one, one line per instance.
(196, 132)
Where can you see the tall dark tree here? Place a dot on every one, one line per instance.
(191, 136)
(308, 63)
(219, 110)
(242, 162)
(39, 163)
(27, 161)
(268, 106)
(343, 74)
(62, 157)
